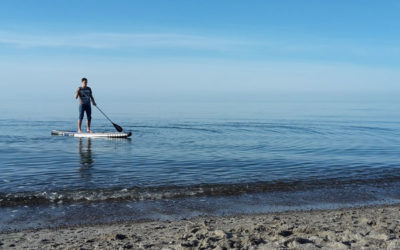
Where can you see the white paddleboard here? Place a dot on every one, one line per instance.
(97, 134)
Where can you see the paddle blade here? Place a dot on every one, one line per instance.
(117, 127)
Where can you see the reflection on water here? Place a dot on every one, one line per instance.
(85, 154)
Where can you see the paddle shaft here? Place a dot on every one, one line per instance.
(104, 114)
(117, 127)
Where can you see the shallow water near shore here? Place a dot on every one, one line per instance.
(200, 159)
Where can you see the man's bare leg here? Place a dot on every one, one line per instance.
(79, 126)
(88, 126)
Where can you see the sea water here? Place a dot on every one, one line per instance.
(190, 159)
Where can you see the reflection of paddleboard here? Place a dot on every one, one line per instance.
(100, 134)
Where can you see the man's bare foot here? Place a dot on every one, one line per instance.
(89, 131)
(79, 131)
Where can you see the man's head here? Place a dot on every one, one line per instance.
(84, 82)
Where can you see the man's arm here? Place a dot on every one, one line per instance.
(92, 98)
(77, 93)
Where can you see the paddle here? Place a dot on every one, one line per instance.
(116, 126)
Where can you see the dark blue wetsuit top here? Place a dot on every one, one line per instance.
(84, 102)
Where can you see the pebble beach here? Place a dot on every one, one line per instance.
(375, 227)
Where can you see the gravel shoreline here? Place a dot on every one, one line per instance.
(376, 227)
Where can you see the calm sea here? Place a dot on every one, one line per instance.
(186, 160)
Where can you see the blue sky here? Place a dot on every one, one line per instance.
(201, 50)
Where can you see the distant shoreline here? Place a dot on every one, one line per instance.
(369, 227)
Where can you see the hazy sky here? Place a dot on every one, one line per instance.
(200, 50)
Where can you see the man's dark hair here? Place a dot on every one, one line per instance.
(84, 79)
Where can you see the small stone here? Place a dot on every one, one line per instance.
(220, 233)
(303, 240)
(186, 236)
(256, 241)
(200, 236)
(213, 239)
(285, 233)
(347, 243)
(261, 228)
(292, 242)
(120, 236)
(379, 236)
(393, 244)
(188, 244)
(337, 245)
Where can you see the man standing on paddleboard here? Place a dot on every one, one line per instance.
(85, 96)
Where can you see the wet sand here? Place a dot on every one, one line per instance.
(375, 227)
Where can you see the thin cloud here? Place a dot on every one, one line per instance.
(305, 47)
(118, 40)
